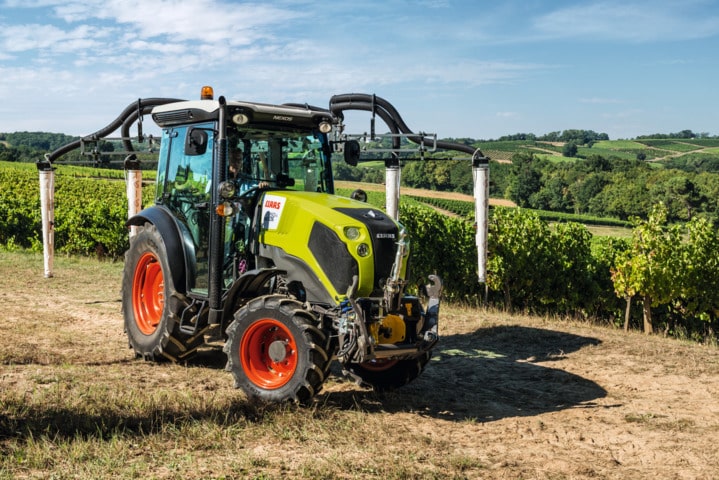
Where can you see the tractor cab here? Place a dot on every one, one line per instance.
(220, 157)
(257, 161)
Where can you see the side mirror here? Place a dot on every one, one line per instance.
(359, 194)
(352, 152)
(196, 142)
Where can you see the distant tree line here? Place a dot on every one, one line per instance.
(599, 186)
(32, 146)
(616, 188)
(37, 140)
(682, 134)
(579, 137)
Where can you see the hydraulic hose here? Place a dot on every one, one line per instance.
(380, 106)
(361, 101)
(143, 105)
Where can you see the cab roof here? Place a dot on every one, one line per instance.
(243, 115)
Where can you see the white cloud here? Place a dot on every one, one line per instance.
(49, 38)
(208, 21)
(638, 21)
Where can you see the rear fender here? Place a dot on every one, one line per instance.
(178, 243)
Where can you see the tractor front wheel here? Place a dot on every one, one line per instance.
(275, 351)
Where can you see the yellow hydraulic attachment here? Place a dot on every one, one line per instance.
(390, 330)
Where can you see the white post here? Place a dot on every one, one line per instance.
(392, 178)
(480, 175)
(47, 208)
(134, 196)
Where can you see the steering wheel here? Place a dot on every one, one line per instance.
(249, 192)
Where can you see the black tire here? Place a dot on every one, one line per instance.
(275, 350)
(386, 375)
(150, 303)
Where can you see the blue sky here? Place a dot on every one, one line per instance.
(471, 68)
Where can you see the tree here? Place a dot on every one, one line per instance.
(9, 154)
(552, 196)
(625, 197)
(679, 194)
(527, 178)
(413, 175)
(343, 171)
(569, 149)
(584, 190)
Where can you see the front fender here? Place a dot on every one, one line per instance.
(251, 284)
(178, 243)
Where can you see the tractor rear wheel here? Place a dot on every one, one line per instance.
(150, 303)
(275, 350)
(384, 375)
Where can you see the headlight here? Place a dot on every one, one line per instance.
(325, 127)
(240, 119)
(352, 233)
(363, 250)
(227, 189)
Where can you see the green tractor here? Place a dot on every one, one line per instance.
(247, 247)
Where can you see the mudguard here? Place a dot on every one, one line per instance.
(178, 243)
(248, 286)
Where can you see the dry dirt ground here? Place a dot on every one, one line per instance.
(509, 396)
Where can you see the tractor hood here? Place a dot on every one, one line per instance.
(329, 237)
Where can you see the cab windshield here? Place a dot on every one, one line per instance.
(295, 162)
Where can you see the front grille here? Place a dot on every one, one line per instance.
(333, 257)
(385, 234)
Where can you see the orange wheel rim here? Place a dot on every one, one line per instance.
(379, 365)
(148, 293)
(268, 353)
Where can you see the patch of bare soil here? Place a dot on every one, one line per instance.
(504, 396)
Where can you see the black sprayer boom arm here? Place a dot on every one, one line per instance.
(390, 115)
(132, 112)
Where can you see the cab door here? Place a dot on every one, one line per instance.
(183, 186)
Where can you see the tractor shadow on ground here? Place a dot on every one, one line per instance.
(487, 375)
(483, 376)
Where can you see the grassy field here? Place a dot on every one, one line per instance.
(627, 149)
(505, 396)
